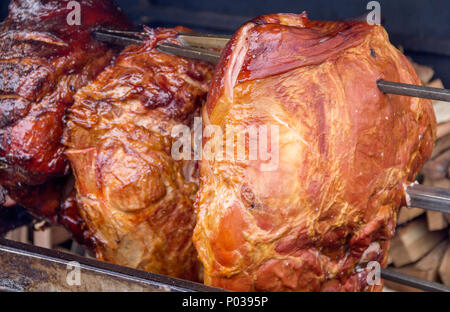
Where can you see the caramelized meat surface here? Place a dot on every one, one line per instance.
(43, 62)
(136, 199)
(345, 152)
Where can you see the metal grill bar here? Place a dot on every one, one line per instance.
(413, 281)
(189, 52)
(30, 268)
(437, 94)
(429, 197)
(197, 45)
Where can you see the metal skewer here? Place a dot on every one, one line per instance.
(207, 41)
(189, 52)
(429, 197)
(195, 46)
(119, 37)
(413, 90)
(412, 281)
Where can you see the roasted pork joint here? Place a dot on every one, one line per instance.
(43, 62)
(136, 199)
(319, 219)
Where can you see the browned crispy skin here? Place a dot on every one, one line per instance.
(345, 151)
(43, 62)
(70, 217)
(135, 198)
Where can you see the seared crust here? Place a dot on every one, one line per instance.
(43, 62)
(135, 198)
(345, 152)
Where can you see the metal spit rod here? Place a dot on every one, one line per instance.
(422, 197)
(413, 90)
(412, 281)
(196, 47)
(428, 197)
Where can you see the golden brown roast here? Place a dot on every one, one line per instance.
(344, 152)
(134, 196)
(45, 57)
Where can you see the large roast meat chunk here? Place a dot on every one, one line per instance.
(135, 197)
(46, 55)
(326, 207)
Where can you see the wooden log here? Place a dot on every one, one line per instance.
(51, 236)
(442, 111)
(43, 238)
(426, 268)
(441, 108)
(407, 214)
(19, 234)
(413, 241)
(425, 73)
(444, 183)
(436, 83)
(442, 130)
(436, 221)
(437, 168)
(444, 268)
(432, 260)
(442, 144)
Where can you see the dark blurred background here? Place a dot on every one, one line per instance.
(421, 27)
